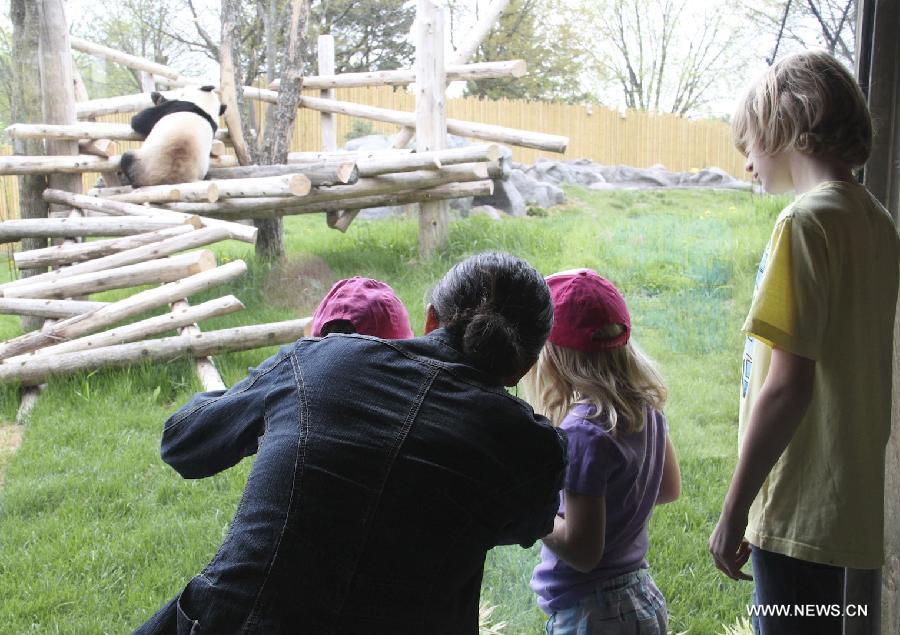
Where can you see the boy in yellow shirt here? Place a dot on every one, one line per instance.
(806, 498)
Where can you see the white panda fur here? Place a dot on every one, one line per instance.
(176, 150)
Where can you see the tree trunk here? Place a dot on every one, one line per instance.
(26, 107)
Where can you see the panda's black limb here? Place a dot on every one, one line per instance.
(126, 165)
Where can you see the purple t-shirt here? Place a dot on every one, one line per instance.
(627, 470)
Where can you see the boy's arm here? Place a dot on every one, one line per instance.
(780, 407)
(215, 430)
(579, 538)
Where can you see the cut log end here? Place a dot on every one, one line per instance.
(299, 185)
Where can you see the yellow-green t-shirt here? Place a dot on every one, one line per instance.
(826, 289)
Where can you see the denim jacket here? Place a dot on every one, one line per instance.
(385, 470)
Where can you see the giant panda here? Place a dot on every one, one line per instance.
(178, 137)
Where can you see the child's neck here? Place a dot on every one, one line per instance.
(809, 171)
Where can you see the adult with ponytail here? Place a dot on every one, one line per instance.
(386, 469)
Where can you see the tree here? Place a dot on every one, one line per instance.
(138, 27)
(662, 55)
(527, 30)
(798, 24)
(369, 35)
(269, 145)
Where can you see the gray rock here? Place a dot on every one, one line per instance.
(486, 210)
(536, 193)
(505, 197)
(462, 205)
(369, 142)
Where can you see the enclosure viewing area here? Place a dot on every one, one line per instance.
(159, 254)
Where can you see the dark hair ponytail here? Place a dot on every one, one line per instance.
(497, 310)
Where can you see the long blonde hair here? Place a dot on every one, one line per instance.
(619, 383)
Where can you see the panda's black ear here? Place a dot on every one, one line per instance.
(207, 89)
(157, 98)
(222, 108)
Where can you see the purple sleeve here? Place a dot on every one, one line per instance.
(593, 457)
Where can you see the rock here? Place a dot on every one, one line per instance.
(369, 142)
(462, 205)
(535, 192)
(486, 210)
(505, 197)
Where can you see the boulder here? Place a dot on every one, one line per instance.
(534, 192)
(486, 210)
(368, 142)
(505, 197)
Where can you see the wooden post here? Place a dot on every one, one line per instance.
(462, 54)
(26, 107)
(878, 70)
(327, 120)
(431, 117)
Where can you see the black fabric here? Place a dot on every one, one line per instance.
(143, 122)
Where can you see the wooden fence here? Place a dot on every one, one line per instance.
(603, 135)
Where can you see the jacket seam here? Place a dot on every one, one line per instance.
(299, 463)
(227, 393)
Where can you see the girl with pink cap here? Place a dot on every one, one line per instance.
(594, 383)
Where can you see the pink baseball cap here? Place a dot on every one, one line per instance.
(583, 303)
(371, 306)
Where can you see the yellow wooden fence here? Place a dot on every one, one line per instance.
(603, 135)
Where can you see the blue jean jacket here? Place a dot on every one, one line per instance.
(385, 470)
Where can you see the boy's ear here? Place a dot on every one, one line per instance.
(222, 108)
(431, 319)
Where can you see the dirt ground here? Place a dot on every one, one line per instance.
(10, 439)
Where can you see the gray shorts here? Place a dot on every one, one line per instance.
(627, 604)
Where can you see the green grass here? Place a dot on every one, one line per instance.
(96, 532)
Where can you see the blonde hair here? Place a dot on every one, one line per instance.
(808, 102)
(619, 383)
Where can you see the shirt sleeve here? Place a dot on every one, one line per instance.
(789, 309)
(215, 430)
(593, 457)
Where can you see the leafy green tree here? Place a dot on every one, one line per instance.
(530, 30)
(369, 35)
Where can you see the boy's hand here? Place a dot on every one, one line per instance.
(730, 551)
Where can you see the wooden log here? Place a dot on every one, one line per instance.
(404, 77)
(153, 251)
(205, 368)
(291, 184)
(400, 163)
(217, 148)
(104, 148)
(131, 61)
(65, 254)
(327, 120)
(403, 197)
(179, 317)
(87, 129)
(462, 54)
(384, 184)
(479, 32)
(13, 230)
(237, 231)
(134, 275)
(342, 155)
(49, 309)
(77, 164)
(487, 132)
(431, 118)
(115, 312)
(339, 172)
(40, 368)
(198, 191)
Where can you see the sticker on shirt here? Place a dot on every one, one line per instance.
(747, 364)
